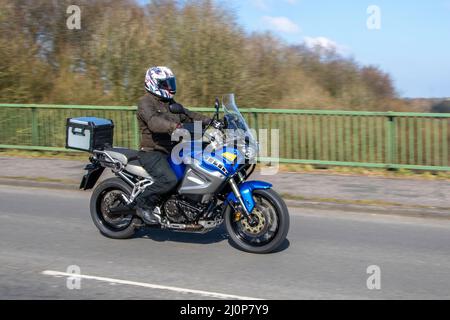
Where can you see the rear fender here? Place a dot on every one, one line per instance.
(246, 190)
(94, 171)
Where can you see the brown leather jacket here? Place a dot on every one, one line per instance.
(157, 123)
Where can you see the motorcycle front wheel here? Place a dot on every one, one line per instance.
(269, 229)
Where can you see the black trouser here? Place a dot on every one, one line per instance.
(157, 166)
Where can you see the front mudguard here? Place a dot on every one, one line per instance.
(246, 190)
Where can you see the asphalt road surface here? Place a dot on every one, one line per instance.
(43, 232)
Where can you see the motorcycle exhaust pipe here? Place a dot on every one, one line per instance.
(121, 210)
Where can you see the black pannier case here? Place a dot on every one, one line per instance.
(89, 134)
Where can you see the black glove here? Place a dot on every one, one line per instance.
(177, 108)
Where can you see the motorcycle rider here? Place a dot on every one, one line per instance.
(156, 124)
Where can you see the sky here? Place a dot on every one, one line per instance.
(409, 39)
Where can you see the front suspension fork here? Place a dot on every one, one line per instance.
(237, 194)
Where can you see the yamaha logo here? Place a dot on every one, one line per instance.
(217, 164)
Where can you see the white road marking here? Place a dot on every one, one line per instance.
(148, 285)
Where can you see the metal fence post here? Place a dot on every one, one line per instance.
(135, 127)
(391, 140)
(255, 119)
(34, 127)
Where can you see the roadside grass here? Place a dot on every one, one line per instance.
(378, 203)
(371, 172)
(296, 168)
(44, 154)
(39, 179)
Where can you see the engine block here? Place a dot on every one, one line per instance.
(179, 210)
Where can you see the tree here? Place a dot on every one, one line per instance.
(441, 107)
(105, 61)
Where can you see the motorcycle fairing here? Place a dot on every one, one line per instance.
(225, 160)
(246, 190)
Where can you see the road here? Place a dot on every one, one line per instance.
(43, 232)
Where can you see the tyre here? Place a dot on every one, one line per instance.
(106, 196)
(269, 230)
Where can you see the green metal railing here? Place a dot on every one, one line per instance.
(337, 138)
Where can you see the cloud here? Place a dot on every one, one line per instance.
(281, 24)
(320, 42)
(325, 45)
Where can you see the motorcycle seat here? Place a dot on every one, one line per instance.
(122, 154)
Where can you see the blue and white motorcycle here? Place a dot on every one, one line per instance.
(212, 189)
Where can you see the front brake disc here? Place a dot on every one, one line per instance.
(259, 228)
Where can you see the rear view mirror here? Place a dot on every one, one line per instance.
(217, 105)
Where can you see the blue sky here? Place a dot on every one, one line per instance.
(413, 44)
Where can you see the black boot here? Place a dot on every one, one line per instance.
(145, 210)
(148, 215)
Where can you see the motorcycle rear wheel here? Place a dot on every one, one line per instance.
(113, 226)
(271, 229)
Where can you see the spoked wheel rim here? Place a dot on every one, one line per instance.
(265, 227)
(111, 199)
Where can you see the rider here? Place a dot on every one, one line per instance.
(156, 124)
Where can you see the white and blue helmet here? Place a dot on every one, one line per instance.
(161, 82)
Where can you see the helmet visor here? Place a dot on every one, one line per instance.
(169, 85)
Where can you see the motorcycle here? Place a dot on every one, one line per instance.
(213, 187)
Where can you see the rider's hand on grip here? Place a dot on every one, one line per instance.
(217, 125)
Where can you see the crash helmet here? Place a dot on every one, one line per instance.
(161, 82)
